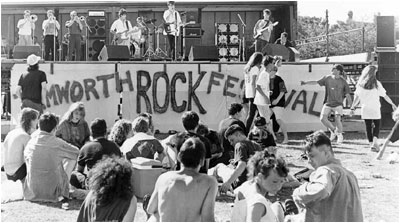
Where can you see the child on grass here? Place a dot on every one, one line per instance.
(260, 135)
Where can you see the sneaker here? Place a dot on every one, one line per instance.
(65, 203)
(333, 135)
(339, 138)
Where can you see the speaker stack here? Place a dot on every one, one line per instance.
(227, 41)
(96, 21)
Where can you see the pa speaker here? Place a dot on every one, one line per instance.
(188, 43)
(97, 27)
(385, 31)
(95, 46)
(199, 53)
(22, 52)
(114, 53)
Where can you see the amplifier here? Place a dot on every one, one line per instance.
(192, 32)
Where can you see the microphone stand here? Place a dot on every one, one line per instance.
(86, 39)
(243, 38)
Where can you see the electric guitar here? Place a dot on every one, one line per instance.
(260, 31)
(172, 29)
(118, 36)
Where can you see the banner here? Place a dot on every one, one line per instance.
(167, 90)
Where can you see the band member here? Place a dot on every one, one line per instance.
(262, 31)
(50, 28)
(25, 27)
(121, 29)
(284, 40)
(173, 20)
(75, 28)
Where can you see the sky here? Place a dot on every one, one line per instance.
(363, 10)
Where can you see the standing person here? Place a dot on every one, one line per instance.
(185, 195)
(172, 21)
(262, 97)
(15, 143)
(267, 174)
(111, 196)
(251, 71)
(284, 40)
(73, 127)
(50, 28)
(368, 91)
(92, 152)
(25, 27)
(235, 114)
(393, 135)
(336, 87)
(31, 86)
(75, 27)
(332, 194)
(278, 88)
(48, 162)
(120, 29)
(262, 31)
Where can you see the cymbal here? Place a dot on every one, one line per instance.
(150, 21)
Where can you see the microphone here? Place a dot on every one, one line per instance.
(290, 207)
(241, 20)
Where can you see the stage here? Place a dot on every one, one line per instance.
(167, 89)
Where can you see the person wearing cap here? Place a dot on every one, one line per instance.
(75, 28)
(336, 88)
(31, 86)
(50, 28)
(234, 174)
(25, 27)
(120, 29)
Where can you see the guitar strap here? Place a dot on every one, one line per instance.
(127, 26)
(266, 24)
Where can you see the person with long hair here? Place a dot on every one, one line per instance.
(31, 86)
(251, 71)
(368, 92)
(266, 174)
(121, 130)
(15, 143)
(73, 127)
(111, 196)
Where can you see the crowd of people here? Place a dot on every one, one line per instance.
(69, 155)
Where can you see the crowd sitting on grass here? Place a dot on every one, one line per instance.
(60, 159)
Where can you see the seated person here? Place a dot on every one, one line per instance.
(212, 136)
(266, 175)
(284, 40)
(121, 130)
(185, 195)
(15, 143)
(142, 144)
(235, 174)
(260, 135)
(111, 196)
(48, 163)
(92, 152)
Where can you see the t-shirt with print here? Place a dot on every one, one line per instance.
(243, 151)
(335, 90)
(31, 85)
(277, 85)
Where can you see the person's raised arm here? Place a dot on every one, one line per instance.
(308, 82)
(207, 211)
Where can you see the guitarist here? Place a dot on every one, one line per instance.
(173, 19)
(120, 29)
(262, 31)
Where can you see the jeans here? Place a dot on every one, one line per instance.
(372, 128)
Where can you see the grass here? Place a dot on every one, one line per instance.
(378, 180)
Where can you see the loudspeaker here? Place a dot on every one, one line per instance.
(385, 31)
(188, 43)
(97, 27)
(278, 50)
(22, 52)
(114, 53)
(95, 46)
(198, 53)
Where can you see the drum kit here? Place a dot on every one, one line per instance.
(145, 38)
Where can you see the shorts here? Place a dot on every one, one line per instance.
(395, 133)
(326, 110)
(20, 174)
(278, 111)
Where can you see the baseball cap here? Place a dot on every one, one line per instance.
(32, 59)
